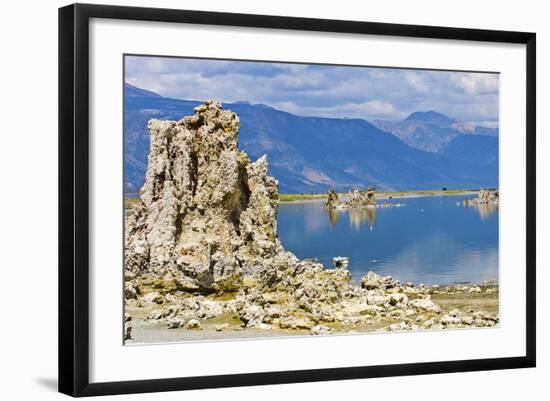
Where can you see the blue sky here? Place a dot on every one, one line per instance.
(320, 90)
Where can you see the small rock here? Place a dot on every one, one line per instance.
(399, 327)
(209, 309)
(193, 324)
(223, 326)
(428, 323)
(128, 332)
(425, 304)
(152, 297)
(340, 262)
(263, 326)
(175, 323)
(320, 330)
(131, 291)
(451, 319)
(252, 314)
(373, 281)
(395, 299)
(490, 317)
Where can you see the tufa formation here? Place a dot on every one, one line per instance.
(484, 197)
(207, 213)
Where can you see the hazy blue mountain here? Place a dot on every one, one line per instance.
(132, 91)
(431, 131)
(308, 154)
(478, 149)
(430, 117)
(478, 130)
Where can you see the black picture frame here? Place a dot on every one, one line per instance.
(74, 201)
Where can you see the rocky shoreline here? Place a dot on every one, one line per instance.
(165, 315)
(202, 253)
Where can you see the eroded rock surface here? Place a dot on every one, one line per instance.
(207, 213)
(484, 197)
(358, 199)
(332, 199)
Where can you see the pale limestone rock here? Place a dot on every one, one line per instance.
(207, 213)
(193, 324)
(373, 281)
(222, 327)
(175, 323)
(425, 304)
(153, 297)
(484, 197)
(359, 199)
(340, 262)
(320, 330)
(131, 291)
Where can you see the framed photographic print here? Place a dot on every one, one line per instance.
(249, 199)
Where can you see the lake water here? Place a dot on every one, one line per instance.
(430, 240)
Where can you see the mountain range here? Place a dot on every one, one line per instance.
(431, 131)
(309, 154)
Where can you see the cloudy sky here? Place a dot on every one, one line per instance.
(320, 90)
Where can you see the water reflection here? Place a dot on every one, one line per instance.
(333, 217)
(485, 211)
(358, 218)
(429, 240)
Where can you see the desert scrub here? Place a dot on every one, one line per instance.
(387, 194)
(224, 296)
(296, 197)
(465, 301)
(131, 202)
(426, 192)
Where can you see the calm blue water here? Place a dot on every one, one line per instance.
(431, 240)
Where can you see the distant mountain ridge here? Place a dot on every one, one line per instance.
(479, 149)
(133, 91)
(431, 131)
(430, 117)
(309, 154)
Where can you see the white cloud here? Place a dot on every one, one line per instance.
(476, 84)
(371, 110)
(317, 90)
(487, 124)
(416, 81)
